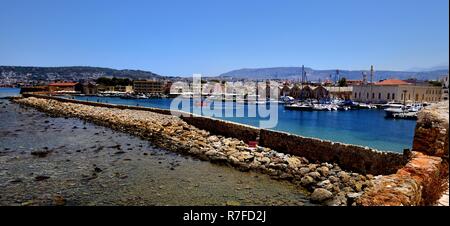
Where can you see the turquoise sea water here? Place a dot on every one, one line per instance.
(7, 92)
(361, 127)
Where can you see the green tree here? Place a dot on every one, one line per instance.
(342, 82)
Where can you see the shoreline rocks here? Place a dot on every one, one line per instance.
(326, 181)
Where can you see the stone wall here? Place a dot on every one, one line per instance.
(224, 128)
(424, 179)
(431, 135)
(350, 157)
(96, 104)
(214, 126)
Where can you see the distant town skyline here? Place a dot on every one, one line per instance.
(180, 38)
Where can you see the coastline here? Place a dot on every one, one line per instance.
(328, 183)
(48, 160)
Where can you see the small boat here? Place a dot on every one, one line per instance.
(321, 107)
(300, 107)
(343, 108)
(414, 107)
(405, 115)
(396, 109)
(391, 104)
(366, 106)
(141, 96)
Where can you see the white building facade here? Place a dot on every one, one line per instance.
(398, 92)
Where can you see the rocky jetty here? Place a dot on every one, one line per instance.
(328, 183)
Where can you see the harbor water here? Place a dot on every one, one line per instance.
(360, 127)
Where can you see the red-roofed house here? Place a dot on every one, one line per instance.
(63, 87)
(391, 82)
(354, 82)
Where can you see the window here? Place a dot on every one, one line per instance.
(393, 96)
(388, 96)
(367, 95)
(379, 95)
(355, 95)
(373, 95)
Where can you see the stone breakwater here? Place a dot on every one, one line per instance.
(327, 183)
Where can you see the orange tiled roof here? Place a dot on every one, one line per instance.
(392, 82)
(63, 84)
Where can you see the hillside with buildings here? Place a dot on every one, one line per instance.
(17, 74)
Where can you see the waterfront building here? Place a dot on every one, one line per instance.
(340, 92)
(306, 93)
(148, 86)
(396, 90)
(123, 89)
(64, 87)
(320, 93)
(90, 88)
(444, 82)
(34, 89)
(167, 86)
(354, 82)
(117, 88)
(285, 90)
(295, 92)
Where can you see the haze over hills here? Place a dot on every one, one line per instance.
(73, 73)
(289, 73)
(315, 75)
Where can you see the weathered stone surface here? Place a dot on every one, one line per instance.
(404, 187)
(349, 157)
(306, 181)
(304, 170)
(392, 190)
(323, 170)
(431, 134)
(315, 175)
(294, 162)
(320, 195)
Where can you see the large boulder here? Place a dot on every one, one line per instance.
(320, 195)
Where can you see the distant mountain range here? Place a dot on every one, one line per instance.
(73, 73)
(315, 75)
(283, 73)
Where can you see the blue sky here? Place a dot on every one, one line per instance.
(181, 37)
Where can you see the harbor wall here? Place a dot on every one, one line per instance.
(425, 177)
(97, 104)
(224, 128)
(349, 157)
